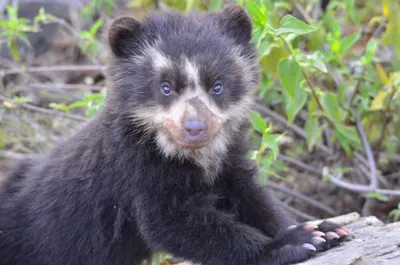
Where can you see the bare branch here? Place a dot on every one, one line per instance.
(303, 13)
(393, 176)
(370, 156)
(43, 110)
(361, 158)
(392, 157)
(16, 156)
(62, 86)
(360, 188)
(338, 182)
(300, 164)
(302, 197)
(288, 208)
(60, 68)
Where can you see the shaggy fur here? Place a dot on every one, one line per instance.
(123, 186)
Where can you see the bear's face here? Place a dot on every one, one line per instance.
(186, 79)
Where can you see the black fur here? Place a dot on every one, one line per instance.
(107, 196)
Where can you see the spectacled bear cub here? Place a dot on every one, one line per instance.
(163, 167)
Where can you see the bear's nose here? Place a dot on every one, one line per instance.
(194, 129)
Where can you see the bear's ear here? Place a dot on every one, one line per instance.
(123, 36)
(237, 23)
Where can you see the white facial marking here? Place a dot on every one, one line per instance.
(158, 58)
(160, 61)
(192, 73)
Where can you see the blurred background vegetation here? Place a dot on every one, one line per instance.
(326, 126)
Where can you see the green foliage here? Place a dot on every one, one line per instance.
(296, 70)
(295, 96)
(3, 139)
(90, 43)
(395, 213)
(97, 6)
(289, 24)
(391, 11)
(378, 196)
(14, 29)
(92, 103)
(268, 150)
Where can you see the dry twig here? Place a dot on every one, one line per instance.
(370, 156)
(338, 182)
(61, 68)
(302, 197)
(43, 110)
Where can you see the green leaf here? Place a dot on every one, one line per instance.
(290, 75)
(270, 61)
(14, 49)
(294, 105)
(258, 14)
(391, 10)
(290, 24)
(96, 26)
(42, 16)
(270, 141)
(261, 38)
(59, 106)
(258, 122)
(3, 139)
(377, 196)
(342, 92)
(350, 133)
(331, 107)
(348, 137)
(369, 52)
(316, 60)
(21, 99)
(395, 213)
(85, 35)
(344, 143)
(350, 7)
(313, 133)
(348, 42)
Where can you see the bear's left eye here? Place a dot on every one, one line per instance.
(217, 89)
(166, 89)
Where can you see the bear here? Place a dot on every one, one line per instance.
(163, 166)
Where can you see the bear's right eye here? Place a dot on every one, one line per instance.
(166, 89)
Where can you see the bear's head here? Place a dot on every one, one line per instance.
(186, 80)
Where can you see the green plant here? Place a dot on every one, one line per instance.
(91, 103)
(97, 6)
(14, 29)
(395, 213)
(89, 39)
(266, 155)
